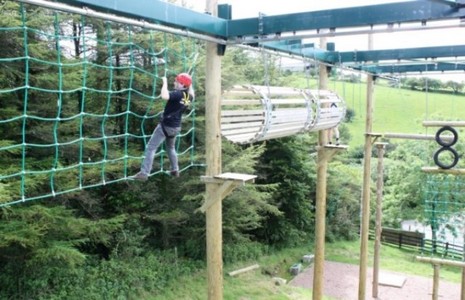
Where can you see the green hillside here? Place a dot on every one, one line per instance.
(398, 110)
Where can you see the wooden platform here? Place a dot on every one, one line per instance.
(236, 177)
(388, 279)
(332, 146)
(226, 183)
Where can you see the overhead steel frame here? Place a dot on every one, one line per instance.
(240, 31)
(257, 30)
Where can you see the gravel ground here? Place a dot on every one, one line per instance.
(341, 282)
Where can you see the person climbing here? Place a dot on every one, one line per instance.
(333, 132)
(170, 124)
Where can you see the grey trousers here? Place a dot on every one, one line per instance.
(155, 141)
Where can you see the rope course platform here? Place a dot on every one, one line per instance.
(252, 113)
(228, 182)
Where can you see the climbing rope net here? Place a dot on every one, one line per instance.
(79, 99)
(444, 202)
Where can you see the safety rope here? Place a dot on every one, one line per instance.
(83, 101)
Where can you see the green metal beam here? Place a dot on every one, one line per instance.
(178, 17)
(160, 12)
(414, 68)
(393, 13)
(296, 47)
(396, 54)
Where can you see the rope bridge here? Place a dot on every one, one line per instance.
(79, 99)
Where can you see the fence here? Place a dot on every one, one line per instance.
(416, 241)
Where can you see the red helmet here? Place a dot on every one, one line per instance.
(184, 79)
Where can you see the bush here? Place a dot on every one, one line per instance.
(350, 115)
(243, 251)
(112, 279)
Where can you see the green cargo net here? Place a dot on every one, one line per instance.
(444, 196)
(79, 99)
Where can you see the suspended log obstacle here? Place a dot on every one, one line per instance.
(252, 113)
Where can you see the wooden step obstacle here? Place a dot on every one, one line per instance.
(252, 113)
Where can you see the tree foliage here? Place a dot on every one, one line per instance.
(114, 239)
(286, 162)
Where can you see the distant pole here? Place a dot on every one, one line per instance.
(320, 210)
(436, 268)
(365, 221)
(213, 160)
(462, 288)
(379, 217)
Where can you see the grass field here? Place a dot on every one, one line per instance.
(395, 110)
(398, 110)
(258, 284)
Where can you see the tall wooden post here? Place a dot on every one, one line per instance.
(320, 211)
(462, 287)
(379, 216)
(213, 159)
(365, 218)
(436, 281)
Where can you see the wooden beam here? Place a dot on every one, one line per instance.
(440, 261)
(226, 187)
(443, 171)
(444, 123)
(374, 134)
(243, 270)
(408, 136)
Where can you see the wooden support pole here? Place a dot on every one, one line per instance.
(462, 289)
(436, 263)
(379, 216)
(436, 281)
(320, 225)
(320, 209)
(213, 159)
(365, 218)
